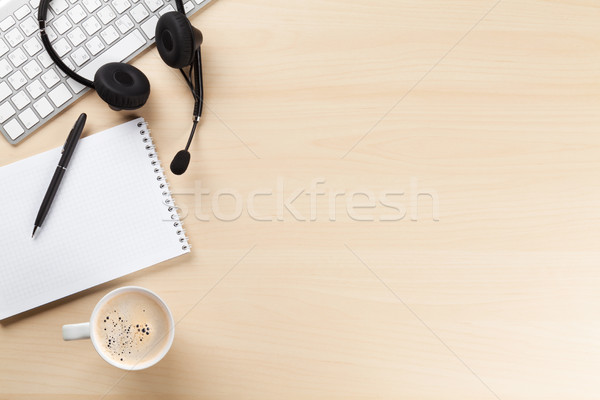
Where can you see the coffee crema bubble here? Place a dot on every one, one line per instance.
(132, 328)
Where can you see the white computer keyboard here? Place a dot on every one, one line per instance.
(85, 33)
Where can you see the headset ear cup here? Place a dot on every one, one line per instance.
(175, 39)
(122, 86)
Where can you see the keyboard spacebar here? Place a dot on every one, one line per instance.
(115, 53)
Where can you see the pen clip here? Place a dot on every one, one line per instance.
(67, 141)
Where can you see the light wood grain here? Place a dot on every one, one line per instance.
(497, 299)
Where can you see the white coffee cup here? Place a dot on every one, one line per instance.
(88, 330)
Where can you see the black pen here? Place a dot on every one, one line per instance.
(63, 163)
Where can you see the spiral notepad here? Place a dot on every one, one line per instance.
(113, 215)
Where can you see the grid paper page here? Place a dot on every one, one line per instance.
(109, 218)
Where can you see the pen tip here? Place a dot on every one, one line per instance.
(34, 229)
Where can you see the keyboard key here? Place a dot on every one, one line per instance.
(45, 59)
(115, 53)
(17, 80)
(52, 36)
(106, 15)
(7, 23)
(29, 26)
(6, 111)
(165, 10)
(69, 64)
(139, 13)
(35, 89)
(14, 129)
(58, 6)
(20, 100)
(32, 46)
(14, 37)
(109, 35)
(121, 5)
(80, 56)
(34, 3)
(94, 45)
(149, 27)
(77, 14)
(76, 87)
(43, 107)
(50, 78)
(17, 57)
(124, 24)
(5, 91)
(62, 47)
(22, 12)
(76, 36)
(62, 24)
(91, 25)
(153, 5)
(91, 5)
(28, 118)
(187, 7)
(32, 69)
(3, 48)
(60, 95)
(5, 68)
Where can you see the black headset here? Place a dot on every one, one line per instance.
(124, 87)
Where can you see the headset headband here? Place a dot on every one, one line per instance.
(42, 13)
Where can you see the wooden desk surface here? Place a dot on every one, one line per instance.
(489, 108)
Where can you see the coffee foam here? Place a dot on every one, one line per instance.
(132, 328)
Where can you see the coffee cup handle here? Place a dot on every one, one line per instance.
(76, 331)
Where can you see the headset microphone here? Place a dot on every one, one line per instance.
(178, 44)
(181, 161)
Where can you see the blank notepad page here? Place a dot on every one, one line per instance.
(112, 215)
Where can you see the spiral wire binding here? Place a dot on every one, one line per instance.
(163, 185)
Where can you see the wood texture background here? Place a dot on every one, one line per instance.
(492, 105)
